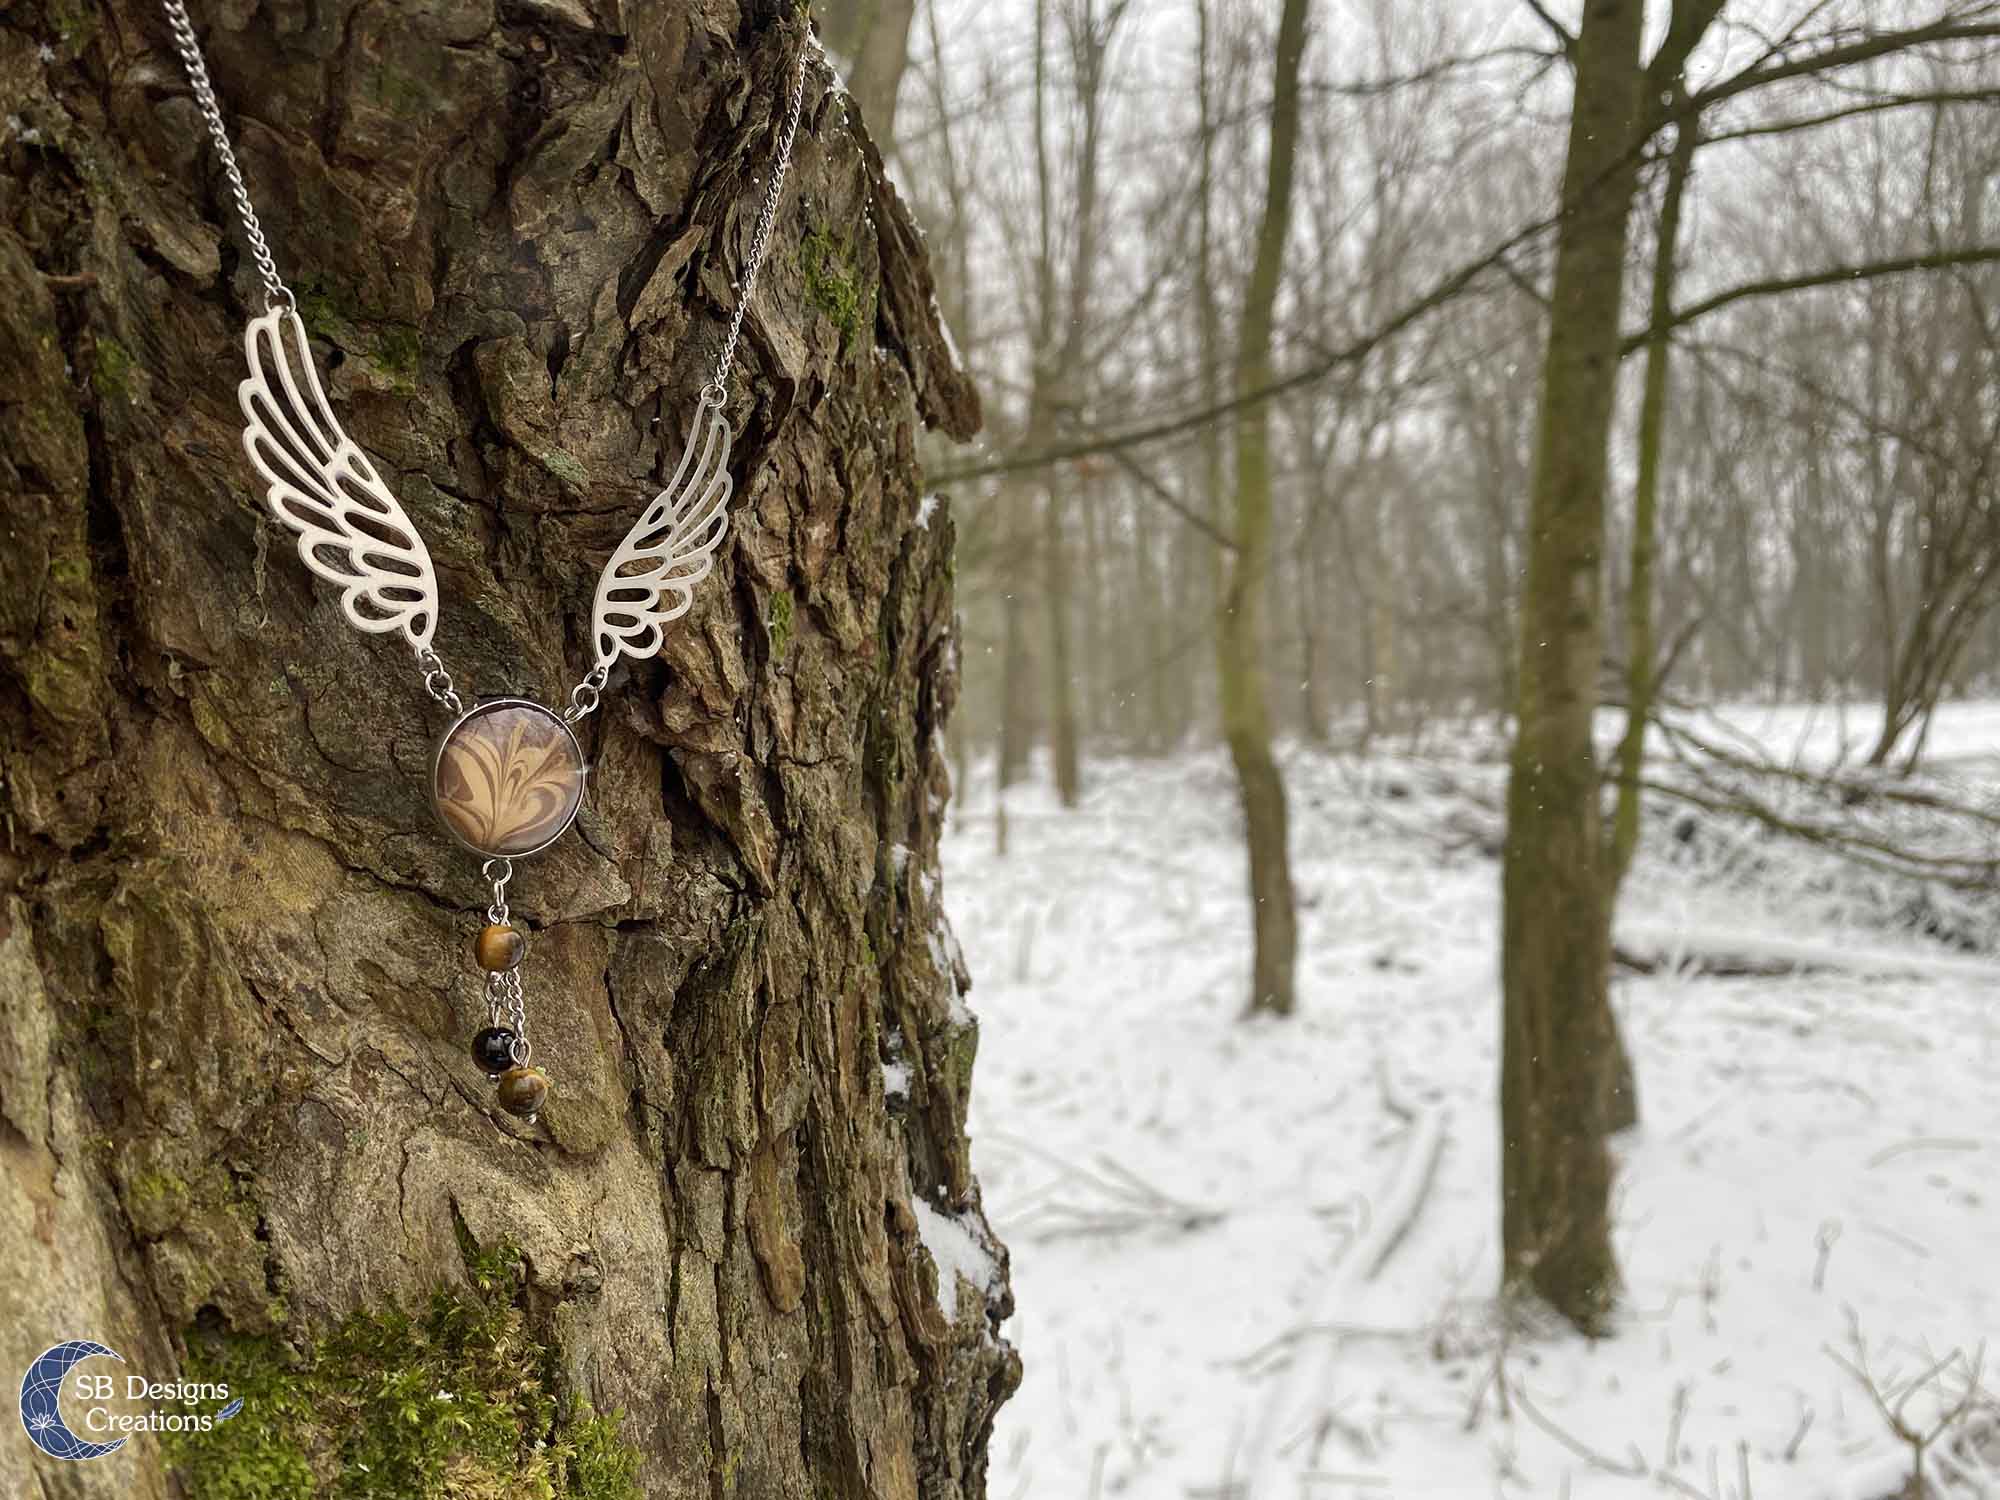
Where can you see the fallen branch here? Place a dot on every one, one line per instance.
(1922, 1143)
(1635, 1469)
(1711, 965)
(1364, 1258)
(1125, 1202)
(1400, 1213)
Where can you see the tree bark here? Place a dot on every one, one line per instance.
(1641, 685)
(236, 1094)
(1246, 716)
(1555, 936)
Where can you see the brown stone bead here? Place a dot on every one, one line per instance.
(522, 1090)
(498, 948)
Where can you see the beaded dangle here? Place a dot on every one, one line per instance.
(502, 1049)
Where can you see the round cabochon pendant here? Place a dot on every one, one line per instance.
(508, 778)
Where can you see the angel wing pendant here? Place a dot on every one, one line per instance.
(651, 578)
(352, 532)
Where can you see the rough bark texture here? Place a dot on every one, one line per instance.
(1557, 1030)
(234, 1091)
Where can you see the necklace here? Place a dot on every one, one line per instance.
(508, 774)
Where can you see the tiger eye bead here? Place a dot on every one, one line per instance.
(522, 1091)
(498, 948)
(493, 1050)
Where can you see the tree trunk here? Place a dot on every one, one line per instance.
(1641, 686)
(1018, 710)
(1555, 959)
(240, 1117)
(871, 39)
(1240, 647)
(1064, 741)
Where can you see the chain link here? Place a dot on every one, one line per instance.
(506, 1005)
(499, 871)
(584, 697)
(506, 998)
(437, 681)
(716, 392)
(275, 290)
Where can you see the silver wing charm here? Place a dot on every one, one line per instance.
(651, 578)
(352, 532)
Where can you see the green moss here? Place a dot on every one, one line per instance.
(111, 369)
(831, 285)
(450, 1403)
(565, 467)
(960, 1053)
(780, 622)
(75, 24)
(399, 349)
(65, 687)
(157, 1201)
(317, 309)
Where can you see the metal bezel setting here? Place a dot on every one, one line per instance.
(488, 705)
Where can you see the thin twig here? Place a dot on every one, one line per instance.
(1923, 1143)
(1636, 1469)
(1671, 1457)
(1805, 1426)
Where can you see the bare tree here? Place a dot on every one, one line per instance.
(1246, 718)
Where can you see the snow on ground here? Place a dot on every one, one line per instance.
(1258, 1259)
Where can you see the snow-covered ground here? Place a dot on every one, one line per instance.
(1258, 1259)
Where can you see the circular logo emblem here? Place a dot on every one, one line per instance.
(41, 1404)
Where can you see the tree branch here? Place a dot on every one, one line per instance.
(1852, 111)
(1691, 20)
(1350, 353)
(1939, 260)
(1845, 55)
(1565, 39)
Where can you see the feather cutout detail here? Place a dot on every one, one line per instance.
(651, 578)
(352, 532)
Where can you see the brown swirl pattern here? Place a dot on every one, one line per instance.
(509, 778)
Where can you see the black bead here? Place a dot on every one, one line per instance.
(493, 1050)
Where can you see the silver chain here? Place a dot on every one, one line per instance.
(275, 290)
(499, 871)
(506, 1006)
(506, 1000)
(584, 698)
(716, 392)
(437, 681)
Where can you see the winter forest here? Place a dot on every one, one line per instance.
(1475, 818)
